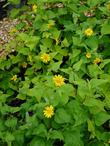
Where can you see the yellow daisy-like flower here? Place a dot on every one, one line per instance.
(58, 80)
(88, 55)
(34, 8)
(88, 32)
(14, 78)
(97, 60)
(48, 111)
(45, 58)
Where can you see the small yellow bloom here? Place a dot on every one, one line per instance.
(24, 64)
(45, 58)
(108, 6)
(58, 80)
(109, 141)
(13, 30)
(88, 32)
(34, 8)
(14, 78)
(88, 55)
(97, 60)
(50, 24)
(48, 111)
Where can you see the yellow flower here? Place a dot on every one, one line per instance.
(14, 78)
(34, 8)
(108, 6)
(97, 60)
(88, 55)
(48, 111)
(24, 64)
(45, 58)
(58, 80)
(13, 30)
(50, 24)
(88, 32)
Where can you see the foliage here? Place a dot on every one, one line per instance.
(55, 80)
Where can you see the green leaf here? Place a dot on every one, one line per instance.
(54, 66)
(92, 42)
(55, 134)
(11, 122)
(40, 130)
(9, 137)
(92, 102)
(14, 1)
(37, 142)
(91, 127)
(37, 92)
(101, 118)
(93, 3)
(105, 28)
(77, 65)
(62, 116)
(76, 41)
(65, 43)
(72, 138)
(78, 112)
(94, 70)
(97, 82)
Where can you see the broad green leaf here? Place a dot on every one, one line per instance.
(97, 82)
(94, 70)
(72, 138)
(105, 28)
(55, 134)
(92, 42)
(78, 112)
(92, 102)
(101, 117)
(65, 43)
(62, 116)
(9, 137)
(77, 66)
(37, 142)
(54, 66)
(11, 122)
(40, 130)
(36, 92)
(14, 1)
(93, 3)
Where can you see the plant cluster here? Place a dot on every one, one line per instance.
(55, 78)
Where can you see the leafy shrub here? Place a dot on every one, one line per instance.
(55, 80)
